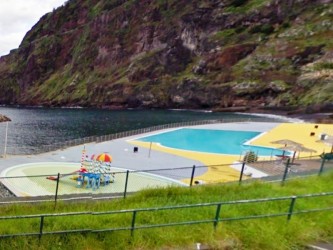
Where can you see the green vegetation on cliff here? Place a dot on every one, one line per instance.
(175, 54)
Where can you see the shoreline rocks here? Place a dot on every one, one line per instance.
(4, 192)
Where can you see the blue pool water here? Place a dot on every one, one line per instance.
(210, 141)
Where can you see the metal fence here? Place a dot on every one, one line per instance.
(91, 139)
(135, 219)
(66, 186)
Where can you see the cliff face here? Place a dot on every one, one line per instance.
(175, 53)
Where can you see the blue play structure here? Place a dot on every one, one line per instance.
(95, 171)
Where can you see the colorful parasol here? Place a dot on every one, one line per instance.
(104, 157)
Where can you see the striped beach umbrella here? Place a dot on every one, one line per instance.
(104, 157)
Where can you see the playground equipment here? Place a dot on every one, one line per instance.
(98, 170)
(94, 171)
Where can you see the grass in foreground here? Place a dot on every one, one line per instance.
(268, 233)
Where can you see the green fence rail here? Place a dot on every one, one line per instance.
(125, 183)
(288, 210)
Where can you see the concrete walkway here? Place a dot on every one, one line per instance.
(166, 158)
(145, 159)
(177, 164)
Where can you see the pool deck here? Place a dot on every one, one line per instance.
(35, 185)
(165, 158)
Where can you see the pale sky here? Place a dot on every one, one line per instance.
(18, 16)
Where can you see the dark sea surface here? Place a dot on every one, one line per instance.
(31, 128)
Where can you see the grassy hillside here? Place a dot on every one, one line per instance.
(267, 233)
(175, 54)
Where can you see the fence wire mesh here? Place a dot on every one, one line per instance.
(158, 217)
(120, 183)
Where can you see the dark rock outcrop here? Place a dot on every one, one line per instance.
(184, 54)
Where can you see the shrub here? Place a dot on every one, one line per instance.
(250, 157)
(237, 3)
(265, 29)
(323, 65)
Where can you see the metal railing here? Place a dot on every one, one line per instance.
(129, 181)
(132, 222)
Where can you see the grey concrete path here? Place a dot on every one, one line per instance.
(320, 246)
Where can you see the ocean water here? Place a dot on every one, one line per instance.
(31, 128)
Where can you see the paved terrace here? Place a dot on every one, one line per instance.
(164, 158)
(298, 132)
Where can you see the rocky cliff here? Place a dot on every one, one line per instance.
(175, 54)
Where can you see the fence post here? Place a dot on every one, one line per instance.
(285, 171)
(322, 166)
(41, 227)
(217, 215)
(192, 176)
(126, 183)
(242, 172)
(149, 149)
(133, 223)
(56, 193)
(291, 208)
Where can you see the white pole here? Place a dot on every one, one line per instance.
(4, 153)
(150, 149)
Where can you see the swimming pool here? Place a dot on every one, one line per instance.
(211, 141)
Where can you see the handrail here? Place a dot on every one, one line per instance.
(135, 213)
(152, 170)
(280, 172)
